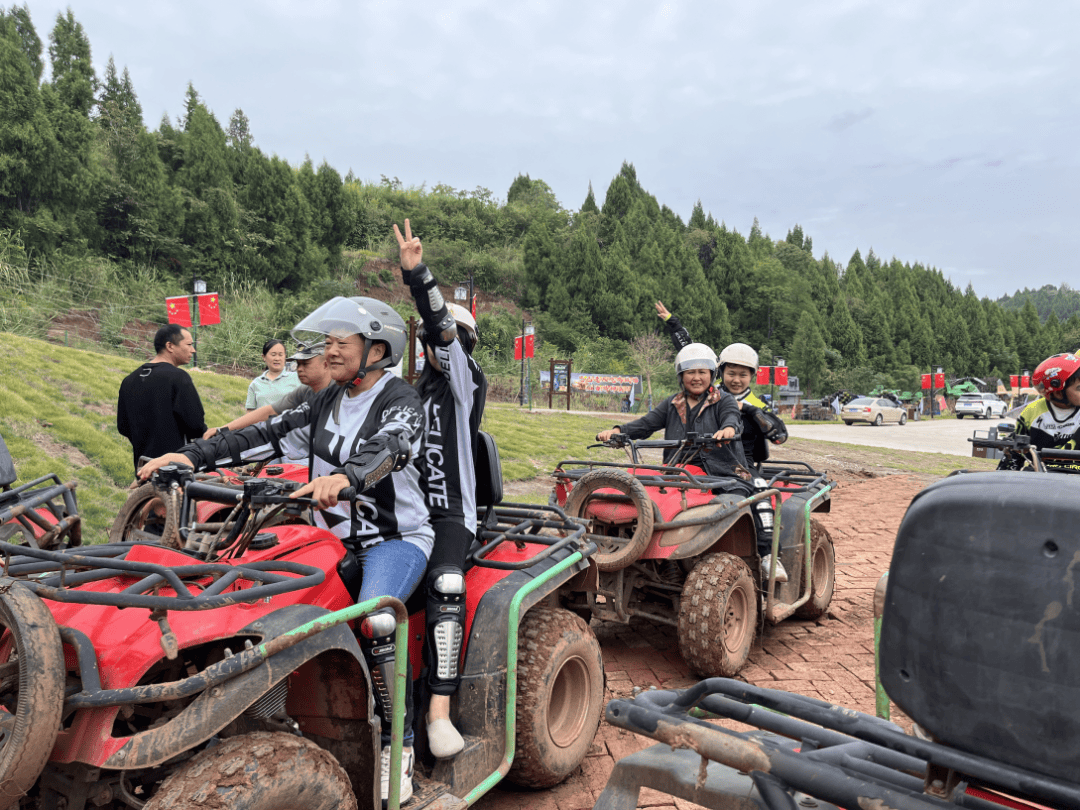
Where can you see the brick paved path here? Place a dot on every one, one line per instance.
(831, 658)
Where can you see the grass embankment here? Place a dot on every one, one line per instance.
(58, 414)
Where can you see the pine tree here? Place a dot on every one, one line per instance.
(808, 354)
(27, 141)
(697, 218)
(589, 206)
(31, 42)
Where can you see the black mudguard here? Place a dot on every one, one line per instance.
(481, 699)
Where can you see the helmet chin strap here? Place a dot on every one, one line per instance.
(365, 369)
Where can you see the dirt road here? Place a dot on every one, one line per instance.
(948, 436)
(831, 658)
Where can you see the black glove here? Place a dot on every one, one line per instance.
(381, 455)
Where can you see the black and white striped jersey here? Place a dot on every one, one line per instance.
(453, 391)
(329, 430)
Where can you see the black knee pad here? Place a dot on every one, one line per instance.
(445, 628)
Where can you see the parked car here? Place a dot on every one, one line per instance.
(874, 410)
(986, 406)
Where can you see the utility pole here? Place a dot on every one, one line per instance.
(521, 393)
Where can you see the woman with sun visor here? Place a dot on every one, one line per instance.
(364, 432)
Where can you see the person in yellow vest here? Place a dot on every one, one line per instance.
(1053, 421)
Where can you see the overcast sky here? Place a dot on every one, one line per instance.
(937, 132)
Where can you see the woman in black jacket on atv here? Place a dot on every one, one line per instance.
(702, 408)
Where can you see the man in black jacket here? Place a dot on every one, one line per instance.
(158, 409)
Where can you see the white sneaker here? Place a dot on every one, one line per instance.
(444, 740)
(406, 774)
(766, 562)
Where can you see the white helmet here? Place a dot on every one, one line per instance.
(696, 355)
(464, 320)
(739, 354)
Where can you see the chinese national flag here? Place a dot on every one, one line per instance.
(529, 345)
(208, 309)
(517, 347)
(1025, 381)
(926, 382)
(781, 375)
(179, 310)
(763, 375)
(474, 307)
(939, 381)
(1014, 380)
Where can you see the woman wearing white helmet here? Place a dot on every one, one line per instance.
(699, 407)
(738, 365)
(363, 432)
(453, 390)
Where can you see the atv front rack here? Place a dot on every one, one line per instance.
(844, 757)
(57, 575)
(19, 504)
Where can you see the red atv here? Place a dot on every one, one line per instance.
(41, 513)
(674, 547)
(152, 510)
(228, 673)
(978, 647)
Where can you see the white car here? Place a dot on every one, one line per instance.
(986, 406)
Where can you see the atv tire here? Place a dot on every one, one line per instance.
(615, 551)
(259, 771)
(718, 616)
(560, 696)
(822, 573)
(31, 690)
(137, 515)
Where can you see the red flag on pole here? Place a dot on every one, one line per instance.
(529, 345)
(517, 347)
(939, 381)
(179, 310)
(926, 382)
(763, 375)
(474, 307)
(208, 309)
(1025, 381)
(780, 375)
(1014, 380)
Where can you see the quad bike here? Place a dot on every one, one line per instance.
(676, 547)
(152, 510)
(228, 673)
(42, 513)
(1032, 459)
(977, 647)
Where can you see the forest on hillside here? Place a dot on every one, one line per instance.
(92, 199)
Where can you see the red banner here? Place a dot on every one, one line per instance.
(179, 310)
(208, 309)
(1025, 381)
(763, 375)
(1014, 380)
(926, 382)
(528, 346)
(780, 375)
(939, 381)
(474, 307)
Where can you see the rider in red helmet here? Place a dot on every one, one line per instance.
(1054, 420)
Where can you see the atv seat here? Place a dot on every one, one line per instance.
(982, 618)
(489, 483)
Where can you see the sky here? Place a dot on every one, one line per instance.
(936, 132)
